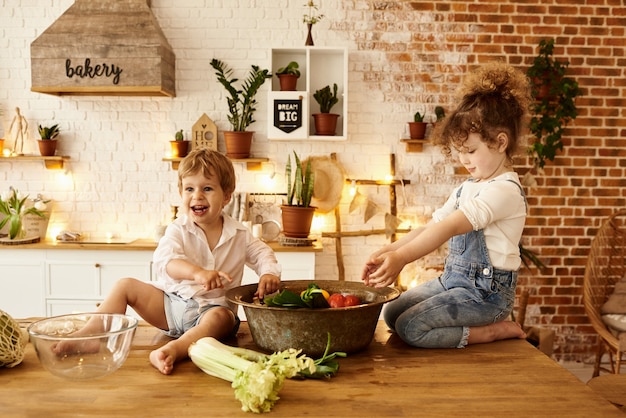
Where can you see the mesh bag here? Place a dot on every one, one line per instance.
(12, 341)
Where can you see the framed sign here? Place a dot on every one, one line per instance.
(289, 116)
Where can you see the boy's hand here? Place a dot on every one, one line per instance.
(268, 283)
(212, 279)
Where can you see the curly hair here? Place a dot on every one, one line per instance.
(209, 163)
(493, 99)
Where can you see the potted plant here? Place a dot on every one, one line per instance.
(297, 212)
(326, 122)
(241, 105)
(179, 146)
(440, 114)
(48, 142)
(14, 207)
(288, 76)
(554, 105)
(417, 128)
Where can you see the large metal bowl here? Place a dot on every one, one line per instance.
(351, 328)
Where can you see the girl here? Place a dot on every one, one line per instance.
(483, 220)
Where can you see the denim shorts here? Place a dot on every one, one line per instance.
(184, 314)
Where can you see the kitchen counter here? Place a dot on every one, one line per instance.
(134, 245)
(503, 379)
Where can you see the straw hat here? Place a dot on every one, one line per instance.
(329, 181)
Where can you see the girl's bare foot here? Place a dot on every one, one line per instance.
(508, 329)
(502, 330)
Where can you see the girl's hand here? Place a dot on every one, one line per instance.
(211, 279)
(369, 268)
(384, 269)
(268, 283)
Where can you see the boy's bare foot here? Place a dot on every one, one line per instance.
(68, 348)
(163, 358)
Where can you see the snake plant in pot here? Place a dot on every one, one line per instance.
(241, 106)
(297, 212)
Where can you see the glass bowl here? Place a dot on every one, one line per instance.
(83, 346)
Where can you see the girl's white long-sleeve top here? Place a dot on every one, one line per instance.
(498, 207)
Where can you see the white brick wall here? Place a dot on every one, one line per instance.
(119, 182)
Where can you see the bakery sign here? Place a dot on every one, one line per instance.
(105, 47)
(287, 114)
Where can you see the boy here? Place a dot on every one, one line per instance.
(201, 255)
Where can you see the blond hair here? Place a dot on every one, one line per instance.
(494, 99)
(209, 163)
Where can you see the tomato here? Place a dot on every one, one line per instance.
(336, 300)
(351, 300)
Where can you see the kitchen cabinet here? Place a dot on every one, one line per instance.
(50, 282)
(22, 292)
(291, 112)
(77, 280)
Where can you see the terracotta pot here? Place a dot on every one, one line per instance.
(297, 220)
(47, 147)
(417, 130)
(179, 148)
(542, 85)
(238, 143)
(288, 82)
(325, 123)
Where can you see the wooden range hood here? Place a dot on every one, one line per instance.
(111, 47)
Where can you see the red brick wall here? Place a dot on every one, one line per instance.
(587, 181)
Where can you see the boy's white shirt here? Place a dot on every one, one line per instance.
(498, 207)
(183, 239)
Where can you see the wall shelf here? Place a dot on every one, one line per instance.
(290, 113)
(414, 145)
(56, 162)
(252, 164)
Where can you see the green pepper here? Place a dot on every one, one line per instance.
(285, 299)
(313, 297)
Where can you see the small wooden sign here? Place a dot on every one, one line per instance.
(204, 133)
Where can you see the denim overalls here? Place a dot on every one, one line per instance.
(470, 292)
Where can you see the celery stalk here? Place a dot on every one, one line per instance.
(257, 382)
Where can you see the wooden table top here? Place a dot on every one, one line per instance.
(502, 379)
(612, 387)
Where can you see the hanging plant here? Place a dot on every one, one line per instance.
(554, 106)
